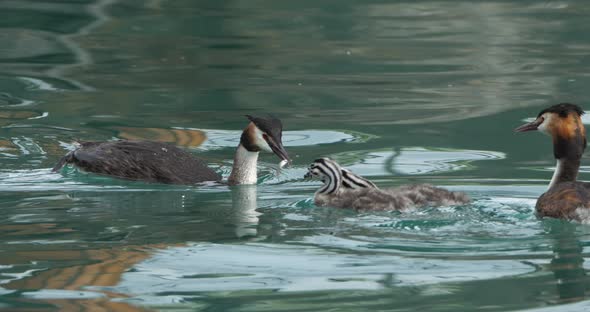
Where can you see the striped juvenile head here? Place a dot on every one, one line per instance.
(328, 171)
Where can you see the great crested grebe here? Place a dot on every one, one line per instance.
(565, 198)
(165, 163)
(344, 189)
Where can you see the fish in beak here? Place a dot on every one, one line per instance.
(276, 145)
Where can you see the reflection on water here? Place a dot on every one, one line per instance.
(567, 265)
(227, 138)
(181, 137)
(244, 205)
(61, 286)
(203, 267)
(40, 54)
(413, 160)
(7, 100)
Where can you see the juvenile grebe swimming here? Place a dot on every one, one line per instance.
(565, 198)
(344, 189)
(165, 163)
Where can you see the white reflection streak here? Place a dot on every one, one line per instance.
(216, 267)
(414, 160)
(244, 204)
(97, 10)
(217, 139)
(489, 31)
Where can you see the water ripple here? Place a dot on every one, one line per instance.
(231, 138)
(413, 160)
(212, 267)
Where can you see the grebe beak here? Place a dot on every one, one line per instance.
(531, 126)
(277, 147)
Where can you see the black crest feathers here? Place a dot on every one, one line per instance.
(563, 110)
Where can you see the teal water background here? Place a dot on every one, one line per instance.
(398, 91)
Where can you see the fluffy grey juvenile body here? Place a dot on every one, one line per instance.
(344, 189)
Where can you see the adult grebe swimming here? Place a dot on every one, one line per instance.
(165, 163)
(565, 198)
(344, 189)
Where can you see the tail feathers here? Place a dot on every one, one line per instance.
(66, 159)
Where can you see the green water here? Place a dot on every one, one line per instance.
(398, 91)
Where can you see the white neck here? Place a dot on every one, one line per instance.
(556, 173)
(244, 168)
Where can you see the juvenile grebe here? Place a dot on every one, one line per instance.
(565, 198)
(165, 163)
(344, 189)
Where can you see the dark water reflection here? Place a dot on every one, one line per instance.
(568, 265)
(425, 91)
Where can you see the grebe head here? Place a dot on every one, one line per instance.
(558, 121)
(264, 133)
(322, 169)
(562, 122)
(328, 171)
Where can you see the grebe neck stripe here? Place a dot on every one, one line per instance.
(244, 167)
(556, 173)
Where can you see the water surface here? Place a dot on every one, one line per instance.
(398, 91)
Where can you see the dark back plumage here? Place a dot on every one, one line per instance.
(565, 201)
(140, 160)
